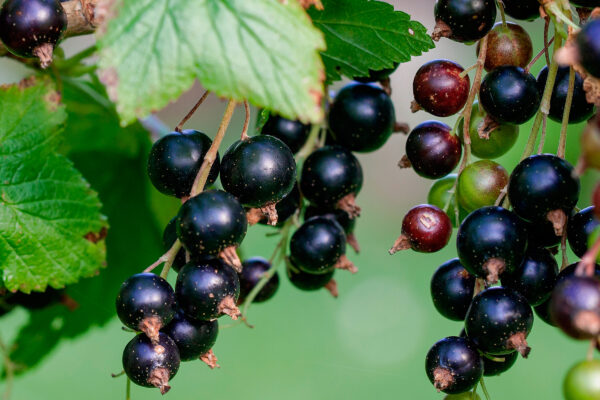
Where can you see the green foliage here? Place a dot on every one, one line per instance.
(260, 50)
(363, 35)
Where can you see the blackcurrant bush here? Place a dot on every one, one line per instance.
(575, 306)
(211, 223)
(453, 365)
(535, 277)
(291, 132)
(581, 382)
(286, 208)
(452, 289)
(339, 216)
(544, 187)
(432, 149)
(508, 44)
(496, 365)
(254, 269)
(522, 9)
(151, 364)
(490, 241)
(32, 28)
(463, 20)
(146, 302)
(580, 227)
(207, 290)
(541, 234)
(589, 47)
(175, 160)
(169, 237)
(361, 117)
(425, 228)
(311, 282)
(581, 110)
(193, 338)
(441, 194)
(509, 94)
(332, 177)
(499, 142)
(440, 89)
(319, 245)
(499, 321)
(377, 76)
(480, 184)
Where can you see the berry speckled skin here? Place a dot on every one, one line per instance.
(510, 95)
(259, 171)
(491, 232)
(210, 222)
(581, 110)
(361, 117)
(433, 150)
(469, 20)
(317, 245)
(308, 282)
(193, 338)
(588, 43)
(522, 9)
(253, 271)
(202, 286)
(510, 45)
(460, 358)
(27, 24)
(439, 89)
(175, 160)
(292, 133)
(580, 227)
(377, 76)
(535, 277)
(286, 208)
(495, 368)
(144, 296)
(480, 184)
(329, 174)
(540, 184)
(495, 315)
(575, 306)
(452, 289)
(141, 358)
(169, 237)
(427, 228)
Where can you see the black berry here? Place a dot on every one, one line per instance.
(464, 20)
(292, 133)
(575, 306)
(193, 338)
(452, 289)
(496, 365)
(522, 9)
(535, 277)
(588, 43)
(580, 228)
(254, 269)
(286, 208)
(339, 216)
(311, 282)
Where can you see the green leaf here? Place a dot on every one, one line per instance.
(363, 35)
(261, 50)
(50, 221)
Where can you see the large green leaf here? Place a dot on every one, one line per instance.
(365, 35)
(50, 221)
(260, 50)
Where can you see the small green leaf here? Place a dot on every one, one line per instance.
(261, 50)
(365, 35)
(50, 221)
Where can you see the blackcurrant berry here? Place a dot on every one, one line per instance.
(193, 338)
(319, 245)
(425, 228)
(579, 229)
(541, 234)
(339, 216)
(535, 277)
(543, 312)
(291, 132)
(522, 9)
(544, 187)
(332, 177)
(589, 47)
(146, 302)
(490, 241)
(151, 364)
(361, 117)
(452, 289)
(175, 160)
(207, 290)
(169, 237)
(581, 110)
(496, 365)
(441, 194)
(575, 306)
(499, 142)
(211, 223)
(440, 89)
(570, 270)
(286, 208)
(254, 269)
(311, 282)
(463, 20)
(508, 44)
(453, 365)
(499, 321)
(377, 76)
(581, 382)
(509, 94)
(32, 28)
(480, 184)
(432, 150)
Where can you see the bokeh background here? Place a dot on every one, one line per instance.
(369, 343)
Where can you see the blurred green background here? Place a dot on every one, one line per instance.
(369, 343)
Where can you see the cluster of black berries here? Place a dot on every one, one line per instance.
(514, 245)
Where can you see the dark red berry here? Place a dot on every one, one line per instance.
(535, 277)
(291, 132)
(580, 228)
(425, 229)
(193, 338)
(581, 110)
(254, 269)
(508, 44)
(575, 306)
(463, 20)
(452, 289)
(522, 9)
(439, 89)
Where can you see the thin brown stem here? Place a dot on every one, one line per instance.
(562, 144)
(540, 54)
(165, 258)
(246, 121)
(546, 42)
(543, 137)
(192, 111)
